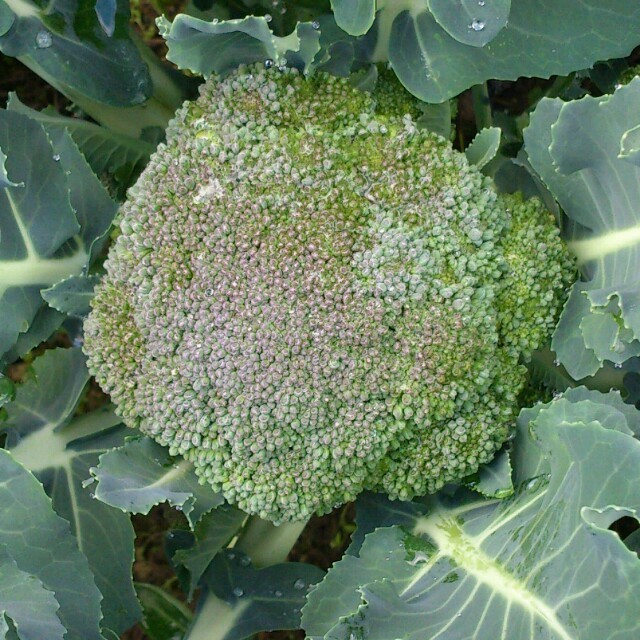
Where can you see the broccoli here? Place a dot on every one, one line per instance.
(310, 296)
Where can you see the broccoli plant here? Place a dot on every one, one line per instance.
(309, 296)
(339, 261)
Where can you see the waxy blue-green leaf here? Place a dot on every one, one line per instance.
(142, 474)
(493, 480)
(218, 47)
(541, 564)
(27, 603)
(165, 618)
(38, 225)
(436, 118)
(106, 151)
(214, 530)
(541, 38)
(472, 22)
(54, 217)
(59, 449)
(251, 600)
(583, 151)
(354, 16)
(41, 544)
(484, 147)
(72, 295)
(7, 18)
(64, 42)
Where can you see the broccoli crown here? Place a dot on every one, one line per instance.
(310, 297)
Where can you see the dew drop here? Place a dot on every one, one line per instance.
(43, 39)
(278, 594)
(238, 592)
(315, 25)
(87, 482)
(618, 365)
(244, 561)
(231, 555)
(56, 157)
(268, 63)
(556, 362)
(299, 584)
(268, 17)
(481, 3)
(477, 25)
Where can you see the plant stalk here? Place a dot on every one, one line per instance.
(265, 544)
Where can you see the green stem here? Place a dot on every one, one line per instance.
(265, 544)
(482, 106)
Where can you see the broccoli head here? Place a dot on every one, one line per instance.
(309, 296)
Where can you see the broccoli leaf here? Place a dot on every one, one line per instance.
(106, 151)
(142, 474)
(165, 618)
(428, 43)
(54, 214)
(583, 151)
(25, 600)
(211, 534)
(207, 47)
(484, 147)
(36, 222)
(471, 22)
(72, 295)
(356, 17)
(41, 545)
(540, 564)
(251, 600)
(66, 44)
(59, 449)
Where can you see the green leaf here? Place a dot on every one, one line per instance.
(26, 601)
(66, 44)
(165, 618)
(542, 38)
(541, 564)
(52, 221)
(7, 18)
(106, 151)
(37, 224)
(212, 533)
(436, 118)
(60, 448)
(493, 480)
(583, 151)
(472, 22)
(72, 295)
(484, 147)
(251, 600)
(142, 474)
(218, 47)
(40, 543)
(354, 16)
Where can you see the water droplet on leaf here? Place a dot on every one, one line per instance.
(477, 25)
(238, 592)
(268, 17)
(299, 584)
(43, 39)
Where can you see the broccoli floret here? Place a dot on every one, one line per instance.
(310, 297)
